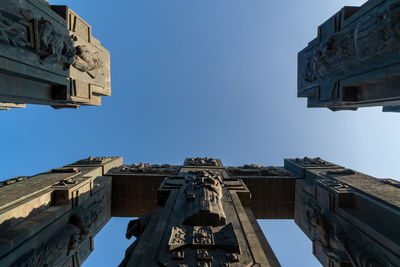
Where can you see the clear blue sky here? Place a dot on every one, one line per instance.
(202, 78)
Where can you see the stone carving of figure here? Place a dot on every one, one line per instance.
(378, 33)
(313, 162)
(12, 32)
(136, 229)
(339, 244)
(375, 36)
(150, 168)
(204, 194)
(325, 231)
(55, 46)
(202, 162)
(86, 61)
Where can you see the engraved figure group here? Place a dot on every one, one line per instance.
(52, 44)
(374, 37)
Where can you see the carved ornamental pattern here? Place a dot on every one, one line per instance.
(75, 239)
(87, 61)
(338, 242)
(201, 162)
(148, 168)
(203, 237)
(52, 43)
(313, 162)
(257, 170)
(94, 160)
(203, 192)
(375, 36)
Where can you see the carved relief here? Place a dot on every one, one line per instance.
(12, 32)
(375, 36)
(202, 162)
(55, 46)
(339, 244)
(150, 168)
(51, 43)
(135, 228)
(203, 193)
(87, 61)
(313, 162)
(257, 170)
(69, 239)
(69, 181)
(203, 237)
(378, 34)
(94, 160)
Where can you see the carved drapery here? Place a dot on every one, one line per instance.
(203, 191)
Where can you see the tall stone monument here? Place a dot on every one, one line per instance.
(200, 213)
(355, 59)
(48, 56)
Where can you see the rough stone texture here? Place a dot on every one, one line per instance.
(354, 61)
(135, 187)
(199, 221)
(352, 219)
(200, 213)
(50, 219)
(49, 57)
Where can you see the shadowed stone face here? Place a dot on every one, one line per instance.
(40, 37)
(352, 62)
(203, 195)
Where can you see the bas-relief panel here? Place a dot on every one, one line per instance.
(354, 60)
(67, 236)
(37, 45)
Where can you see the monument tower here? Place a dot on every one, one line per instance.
(200, 213)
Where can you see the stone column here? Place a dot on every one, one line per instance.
(352, 219)
(202, 219)
(50, 219)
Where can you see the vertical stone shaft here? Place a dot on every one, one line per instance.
(202, 219)
(351, 218)
(50, 219)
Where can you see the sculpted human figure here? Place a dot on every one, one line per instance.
(204, 194)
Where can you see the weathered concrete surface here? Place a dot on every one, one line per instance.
(201, 213)
(202, 218)
(354, 61)
(50, 219)
(49, 57)
(352, 219)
